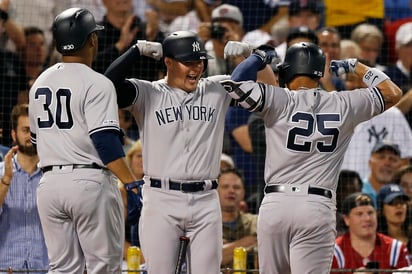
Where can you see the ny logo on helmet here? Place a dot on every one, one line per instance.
(196, 46)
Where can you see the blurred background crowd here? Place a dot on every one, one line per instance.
(377, 32)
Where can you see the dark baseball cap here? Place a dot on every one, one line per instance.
(388, 193)
(354, 200)
(386, 145)
(302, 32)
(297, 6)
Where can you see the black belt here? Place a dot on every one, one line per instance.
(93, 166)
(184, 187)
(311, 190)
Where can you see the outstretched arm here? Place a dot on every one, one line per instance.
(372, 77)
(116, 72)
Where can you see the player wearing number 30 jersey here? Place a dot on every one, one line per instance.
(74, 123)
(307, 132)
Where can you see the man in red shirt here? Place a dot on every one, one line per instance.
(362, 247)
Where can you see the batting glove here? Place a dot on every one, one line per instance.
(237, 49)
(134, 202)
(267, 54)
(150, 49)
(340, 67)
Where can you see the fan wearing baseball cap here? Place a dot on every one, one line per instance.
(385, 159)
(392, 213)
(400, 72)
(362, 246)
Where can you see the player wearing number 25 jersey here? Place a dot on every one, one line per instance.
(307, 132)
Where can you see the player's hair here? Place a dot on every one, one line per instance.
(16, 112)
(235, 171)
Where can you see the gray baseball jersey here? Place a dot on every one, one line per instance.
(182, 139)
(68, 103)
(311, 129)
(181, 132)
(80, 208)
(307, 132)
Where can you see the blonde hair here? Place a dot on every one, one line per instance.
(366, 30)
(137, 146)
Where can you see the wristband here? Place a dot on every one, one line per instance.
(3, 182)
(4, 15)
(374, 77)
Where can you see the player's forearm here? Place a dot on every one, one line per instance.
(227, 252)
(121, 170)
(390, 91)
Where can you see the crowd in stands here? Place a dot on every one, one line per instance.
(374, 194)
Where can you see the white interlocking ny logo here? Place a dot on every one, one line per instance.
(196, 46)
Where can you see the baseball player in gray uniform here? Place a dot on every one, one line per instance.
(307, 132)
(181, 122)
(74, 123)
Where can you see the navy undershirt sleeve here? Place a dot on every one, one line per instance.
(247, 70)
(108, 145)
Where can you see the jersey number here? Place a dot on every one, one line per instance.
(62, 110)
(307, 131)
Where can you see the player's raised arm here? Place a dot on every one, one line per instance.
(116, 72)
(372, 77)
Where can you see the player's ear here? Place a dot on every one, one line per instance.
(13, 136)
(92, 40)
(168, 62)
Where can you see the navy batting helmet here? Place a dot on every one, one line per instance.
(71, 29)
(184, 46)
(302, 59)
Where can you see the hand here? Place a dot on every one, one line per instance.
(267, 53)
(340, 67)
(236, 49)
(150, 49)
(8, 165)
(134, 201)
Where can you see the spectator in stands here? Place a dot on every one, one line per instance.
(403, 177)
(349, 49)
(21, 236)
(383, 163)
(34, 59)
(349, 182)
(329, 42)
(12, 80)
(370, 40)
(192, 20)
(9, 29)
(400, 73)
(239, 229)
(134, 160)
(362, 246)
(226, 25)
(38, 13)
(226, 162)
(125, 122)
(122, 29)
(34, 53)
(167, 11)
(301, 13)
(392, 213)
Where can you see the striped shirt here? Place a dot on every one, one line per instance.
(22, 243)
(388, 252)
